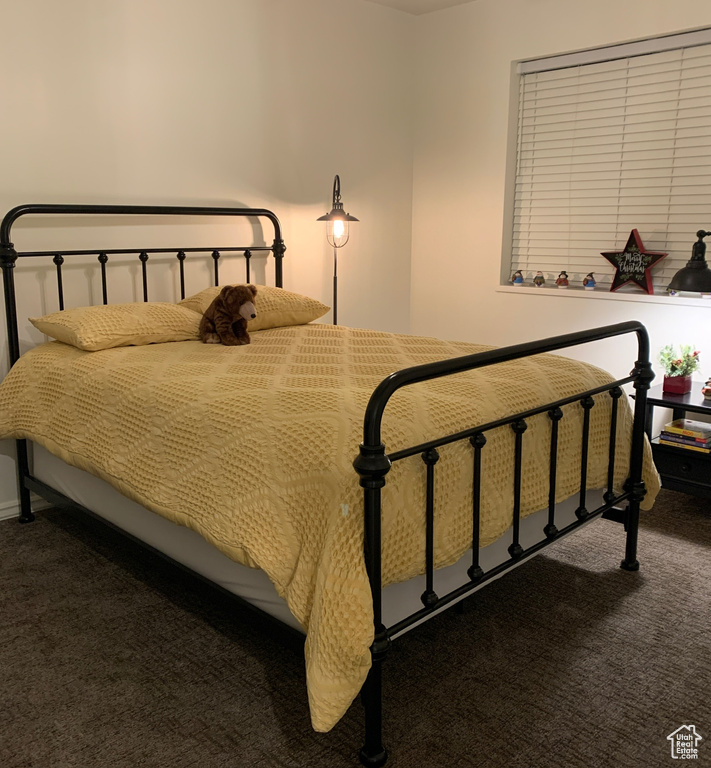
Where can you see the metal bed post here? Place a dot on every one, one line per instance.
(372, 465)
(8, 257)
(643, 374)
(278, 249)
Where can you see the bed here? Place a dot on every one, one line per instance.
(350, 483)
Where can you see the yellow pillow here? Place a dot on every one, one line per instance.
(120, 325)
(275, 307)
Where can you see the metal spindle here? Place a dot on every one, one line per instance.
(519, 427)
(216, 259)
(59, 260)
(555, 415)
(475, 571)
(144, 258)
(247, 257)
(609, 495)
(429, 596)
(103, 258)
(587, 403)
(181, 262)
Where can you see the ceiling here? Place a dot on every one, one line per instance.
(417, 7)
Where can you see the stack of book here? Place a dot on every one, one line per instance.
(685, 433)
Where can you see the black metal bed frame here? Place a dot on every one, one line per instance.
(373, 462)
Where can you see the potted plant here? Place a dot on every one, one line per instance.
(678, 368)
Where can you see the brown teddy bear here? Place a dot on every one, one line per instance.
(225, 320)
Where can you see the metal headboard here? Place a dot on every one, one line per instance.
(8, 254)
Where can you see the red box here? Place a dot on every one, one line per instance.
(677, 385)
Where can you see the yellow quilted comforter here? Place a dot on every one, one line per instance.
(252, 447)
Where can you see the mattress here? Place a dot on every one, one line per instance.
(253, 585)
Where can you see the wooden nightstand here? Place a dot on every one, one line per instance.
(680, 469)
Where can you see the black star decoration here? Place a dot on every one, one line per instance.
(634, 264)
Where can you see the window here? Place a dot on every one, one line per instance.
(607, 141)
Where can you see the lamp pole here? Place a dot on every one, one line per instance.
(335, 286)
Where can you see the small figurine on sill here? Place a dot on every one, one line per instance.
(562, 281)
(706, 390)
(589, 282)
(539, 280)
(517, 278)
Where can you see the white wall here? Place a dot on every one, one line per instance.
(261, 102)
(464, 60)
(215, 102)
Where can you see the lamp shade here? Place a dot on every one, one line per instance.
(695, 277)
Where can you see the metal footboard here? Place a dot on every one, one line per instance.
(373, 464)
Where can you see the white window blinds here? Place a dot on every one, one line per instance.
(608, 146)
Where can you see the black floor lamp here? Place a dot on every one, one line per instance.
(337, 235)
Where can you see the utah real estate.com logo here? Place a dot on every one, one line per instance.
(684, 742)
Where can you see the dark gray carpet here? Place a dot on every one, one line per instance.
(111, 658)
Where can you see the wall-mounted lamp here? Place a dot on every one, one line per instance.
(337, 234)
(695, 277)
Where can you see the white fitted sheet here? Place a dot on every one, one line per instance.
(190, 549)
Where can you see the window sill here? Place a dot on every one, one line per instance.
(581, 293)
